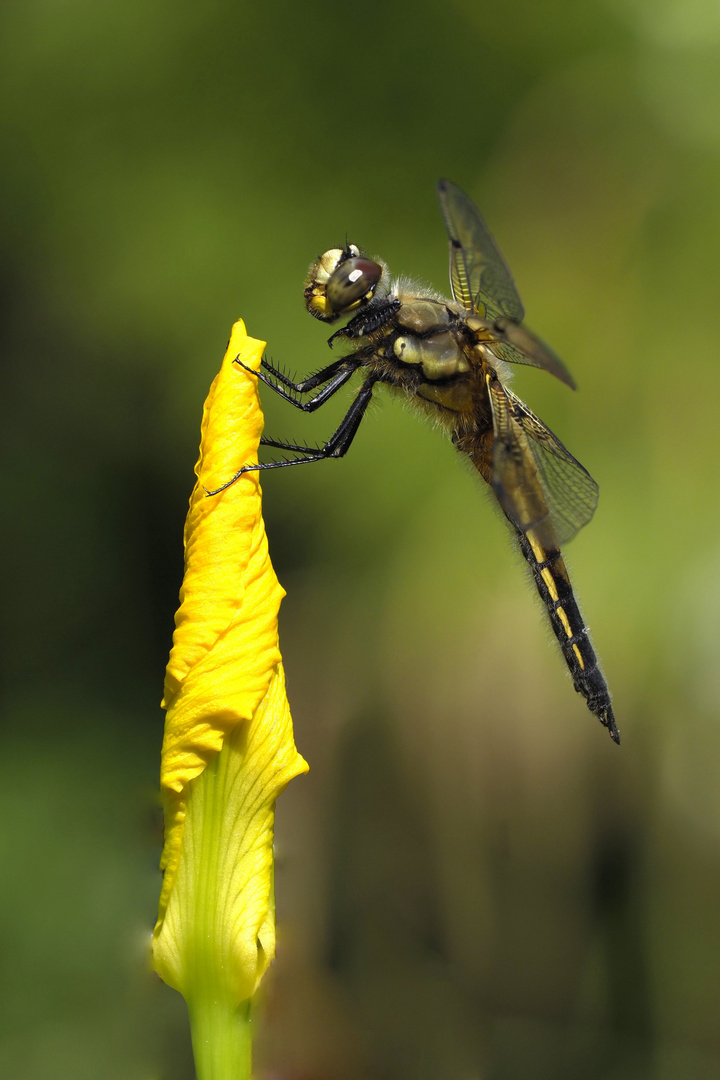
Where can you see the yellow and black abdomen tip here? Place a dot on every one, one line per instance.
(553, 584)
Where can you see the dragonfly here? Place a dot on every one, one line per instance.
(452, 357)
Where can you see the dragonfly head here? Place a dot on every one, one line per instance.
(340, 281)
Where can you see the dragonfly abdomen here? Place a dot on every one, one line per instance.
(553, 584)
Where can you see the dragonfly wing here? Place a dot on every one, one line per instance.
(518, 345)
(514, 475)
(479, 276)
(481, 281)
(570, 491)
(538, 482)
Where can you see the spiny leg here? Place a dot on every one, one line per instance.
(334, 376)
(304, 385)
(373, 318)
(336, 447)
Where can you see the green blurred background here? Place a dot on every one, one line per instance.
(473, 882)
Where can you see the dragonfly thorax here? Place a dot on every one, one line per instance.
(439, 356)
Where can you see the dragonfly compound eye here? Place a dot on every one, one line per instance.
(354, 280)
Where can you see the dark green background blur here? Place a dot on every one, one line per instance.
(473, 882)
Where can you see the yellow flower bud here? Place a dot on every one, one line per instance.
(228, 749)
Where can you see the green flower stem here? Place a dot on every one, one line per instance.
(220, 1028)
(221, 1038)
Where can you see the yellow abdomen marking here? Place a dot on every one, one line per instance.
(565, 621)
(538, 549)
(550, 582)
(546, 574)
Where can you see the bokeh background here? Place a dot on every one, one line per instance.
(473, 882)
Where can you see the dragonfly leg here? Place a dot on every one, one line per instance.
(334, 376)
(373, 318)
(336, 447)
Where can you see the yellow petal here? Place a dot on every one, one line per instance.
(225, 542)
(228, 721)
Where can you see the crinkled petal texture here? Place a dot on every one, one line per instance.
(228, 749)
